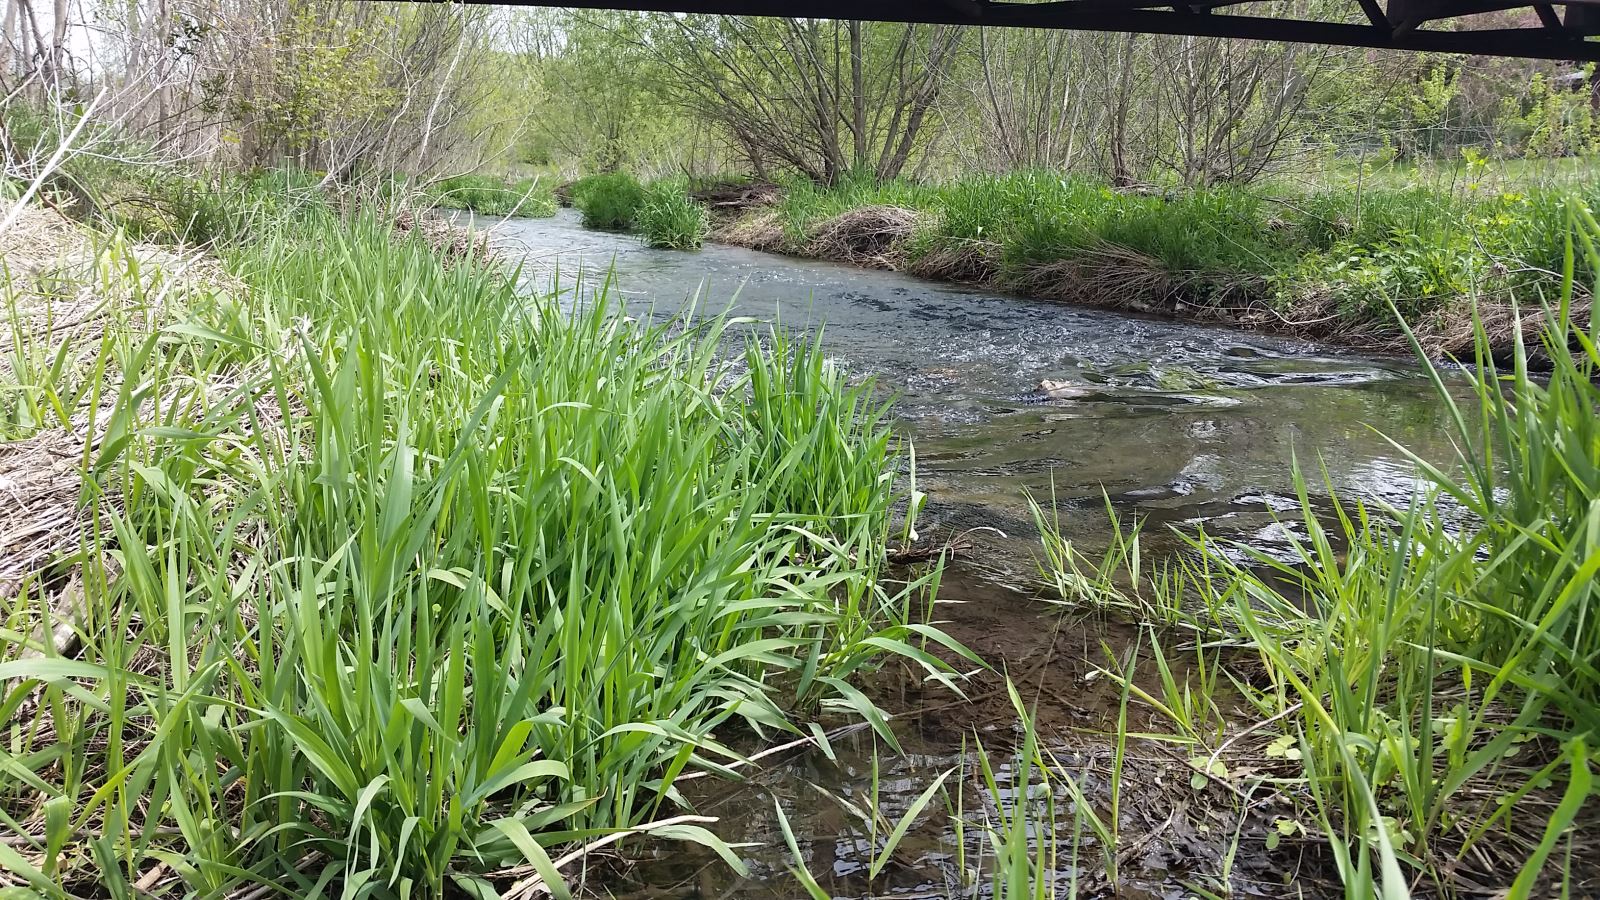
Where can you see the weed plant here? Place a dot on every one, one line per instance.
(609, 201)
(392, 578)
(669, 218)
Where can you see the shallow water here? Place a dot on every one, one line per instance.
(1186, 424)
(1178, 424)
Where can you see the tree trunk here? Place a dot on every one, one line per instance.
(1120, 174)
(7, 44)
(858, 96)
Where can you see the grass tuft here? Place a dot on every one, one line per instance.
(668, 218)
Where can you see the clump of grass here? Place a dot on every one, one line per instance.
(1412, 666)
(608, 201)
(669, 218)
(408, 577)
(530, 197)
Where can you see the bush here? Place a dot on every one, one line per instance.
(667, 217)
(608, 201)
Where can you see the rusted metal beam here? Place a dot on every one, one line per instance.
(1100, 15)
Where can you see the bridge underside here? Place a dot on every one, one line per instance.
(1553, 30)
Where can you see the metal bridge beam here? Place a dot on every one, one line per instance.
(1392, 32)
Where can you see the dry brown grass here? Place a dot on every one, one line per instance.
(964, 262)
(757, 230)
(1452, 332)
(61, 291)
(451, 241)
(1113, 277)
(41, 518)
(871, 236)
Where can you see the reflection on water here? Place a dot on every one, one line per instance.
(1182, 425)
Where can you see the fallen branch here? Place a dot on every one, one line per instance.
(535, 886)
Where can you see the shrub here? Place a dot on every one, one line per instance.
(608, 201)
(667, 217)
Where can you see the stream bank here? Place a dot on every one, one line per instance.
(1178, 424)
(1332, 266)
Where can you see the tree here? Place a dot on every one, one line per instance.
(825, 98)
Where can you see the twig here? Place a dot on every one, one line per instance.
(534, 885)
(148, 880)
(1288, 711)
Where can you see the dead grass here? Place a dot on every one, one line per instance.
(1111, 277)
(871, 236)
(61, 290)
(451, 241)
(1452, 332)
(41, 518)
(964, 262)
(761, 230)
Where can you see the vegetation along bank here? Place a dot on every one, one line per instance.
(1333, 264)
(336, 561)
(340, 563)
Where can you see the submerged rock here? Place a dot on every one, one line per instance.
(1061, 390)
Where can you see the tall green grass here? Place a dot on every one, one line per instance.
(608, 201)
(529, 197)
(406, 577)
(1432, 669)
(669, 218)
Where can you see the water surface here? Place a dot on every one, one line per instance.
(1178, 424)
(1186, 424)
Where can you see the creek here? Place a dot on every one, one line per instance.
(1175, 424)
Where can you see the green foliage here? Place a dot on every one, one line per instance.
(416, 576)
(668, 217)
(1417, 661)
(1555, 121)
(1421, 250)
(608, 201)
(530, 197)
(320, 81)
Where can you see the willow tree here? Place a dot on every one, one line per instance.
(823, 97)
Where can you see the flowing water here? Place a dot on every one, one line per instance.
(1177, 424)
